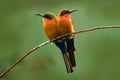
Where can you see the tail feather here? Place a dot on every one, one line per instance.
(70, 50)
(70, 43)
(62, 47)
(73, 47)
(67, 63)
(72, 58)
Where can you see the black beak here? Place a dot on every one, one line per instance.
(42, 15)
(72, 10)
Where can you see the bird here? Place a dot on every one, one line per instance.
(65, 26)
(50, 29)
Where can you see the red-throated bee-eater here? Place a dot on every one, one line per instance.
(64, 26)
(50, 29)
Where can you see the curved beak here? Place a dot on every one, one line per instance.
(72, 10)
(42, 15)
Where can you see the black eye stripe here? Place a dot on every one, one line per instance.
(64, 12)
(48, 16)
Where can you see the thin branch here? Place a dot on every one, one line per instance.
(21, 58)
(96, 28)
(47, 42)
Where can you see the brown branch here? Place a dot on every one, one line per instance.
(96, 28)
(21, 58)
(46, 42)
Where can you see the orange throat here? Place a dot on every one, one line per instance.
(46, 20)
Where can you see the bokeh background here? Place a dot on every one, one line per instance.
(97, 52)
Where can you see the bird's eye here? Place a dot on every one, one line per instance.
(64, 12)
(48, 16)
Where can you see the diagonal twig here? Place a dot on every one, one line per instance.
(47, 42)
(21, 58)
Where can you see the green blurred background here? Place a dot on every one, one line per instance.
(97, 52)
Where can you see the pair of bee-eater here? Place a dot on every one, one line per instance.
(55, 26)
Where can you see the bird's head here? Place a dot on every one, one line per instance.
(66, 12)
(48, 17)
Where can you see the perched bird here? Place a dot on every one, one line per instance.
(64, 26)
(50, 29)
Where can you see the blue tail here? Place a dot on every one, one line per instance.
(70, 50)
(62, 47)
(70, 44)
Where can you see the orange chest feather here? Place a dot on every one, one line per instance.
(50, 30)
(65, 26)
